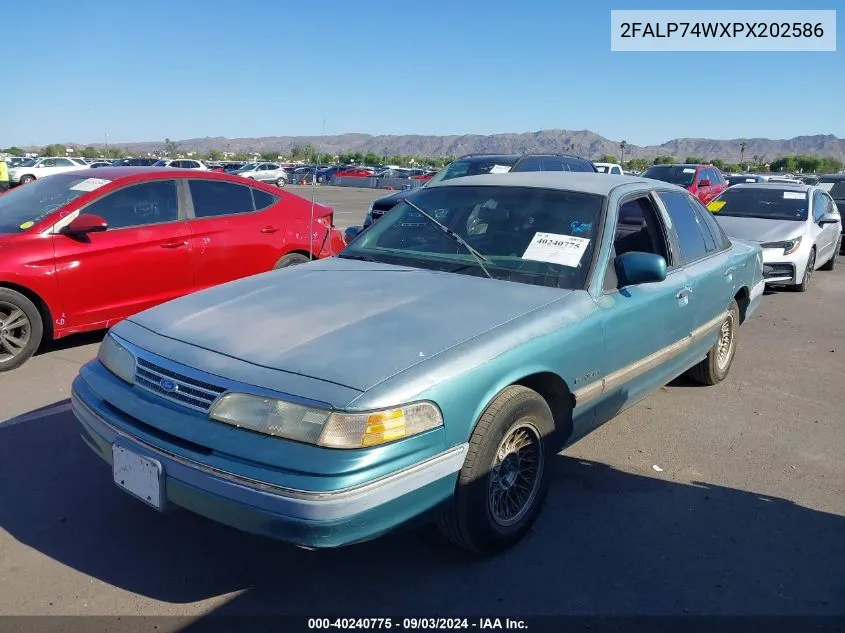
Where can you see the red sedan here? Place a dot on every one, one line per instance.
(82, 250)
(355, 172)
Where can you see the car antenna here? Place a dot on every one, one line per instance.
(313, 196)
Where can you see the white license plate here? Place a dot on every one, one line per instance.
(138, 475)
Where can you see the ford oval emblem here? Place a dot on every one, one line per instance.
(168, 385)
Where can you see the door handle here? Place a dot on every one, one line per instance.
(174, 244)
(269, 229)
(684, 293)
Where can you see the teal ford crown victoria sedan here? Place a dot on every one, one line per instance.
(432, 370)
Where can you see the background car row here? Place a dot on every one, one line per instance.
(85, 249)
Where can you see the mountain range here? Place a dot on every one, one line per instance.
(582, 142)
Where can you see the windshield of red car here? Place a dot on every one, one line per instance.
(675, 174)
(769, 203)
(25, 205)
(544, 237)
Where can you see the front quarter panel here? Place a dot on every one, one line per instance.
(27, 261)
(563, 338)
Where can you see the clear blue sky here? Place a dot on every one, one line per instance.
(150, 69)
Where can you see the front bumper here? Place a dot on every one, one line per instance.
(307, 518)
(784, 269)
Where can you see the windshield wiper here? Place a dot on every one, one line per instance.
(363, 258)
(479, 257)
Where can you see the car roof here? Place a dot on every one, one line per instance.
(681, 165)
(585, 182)
(831, 177)
(120, 173)
(477, 158)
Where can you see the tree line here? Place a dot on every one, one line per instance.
(308, 154)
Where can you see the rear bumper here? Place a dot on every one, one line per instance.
(311, 519)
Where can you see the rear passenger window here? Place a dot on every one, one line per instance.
(685, 220)
(215, 197)
(263, 199)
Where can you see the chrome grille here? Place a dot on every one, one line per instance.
(189, 392)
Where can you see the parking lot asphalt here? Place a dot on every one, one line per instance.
(744, 515)
(349, 203)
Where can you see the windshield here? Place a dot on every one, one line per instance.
(675, 174)
(27, 163)
(248, 167)
(474, 167)
(761, 202)
(164, 162)
(834, 186)
(737, 180)
(544, 237)
(22, 207)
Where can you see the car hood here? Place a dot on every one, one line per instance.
(6, 237)
(761, 230)
(388, 202)
(348, 322)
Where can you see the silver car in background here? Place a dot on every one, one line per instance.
(264, 172)
(798, 227)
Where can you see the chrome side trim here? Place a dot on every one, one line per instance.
(708, 327)
(307, 504)
(619, 377)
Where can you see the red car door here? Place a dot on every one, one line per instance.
(235, 231)
(141, 260)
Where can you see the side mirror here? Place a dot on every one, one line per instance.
(829, 218)
(640, 268)
(84, 224)
(704, 183)
(351, 233)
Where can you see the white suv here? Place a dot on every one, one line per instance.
(36, 168)
(264, 172)
(181, 163)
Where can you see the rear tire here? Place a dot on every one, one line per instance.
(281, 182)
(291, 259)
(505, 478)
(716, 366)
(21, 329)
(808, 273)
(831, 263)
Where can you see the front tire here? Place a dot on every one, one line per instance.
(808, 273)
(716, 366)
(26, 179)
(21, 329)
(505, 477)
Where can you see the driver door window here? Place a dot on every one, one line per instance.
(147, 203)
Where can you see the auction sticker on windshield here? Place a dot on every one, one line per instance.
(565, 250)
(90, 184)
(716, 206)
(794, 195)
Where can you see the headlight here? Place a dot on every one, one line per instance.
(325, 428)
(117, 359)
(788, 246)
